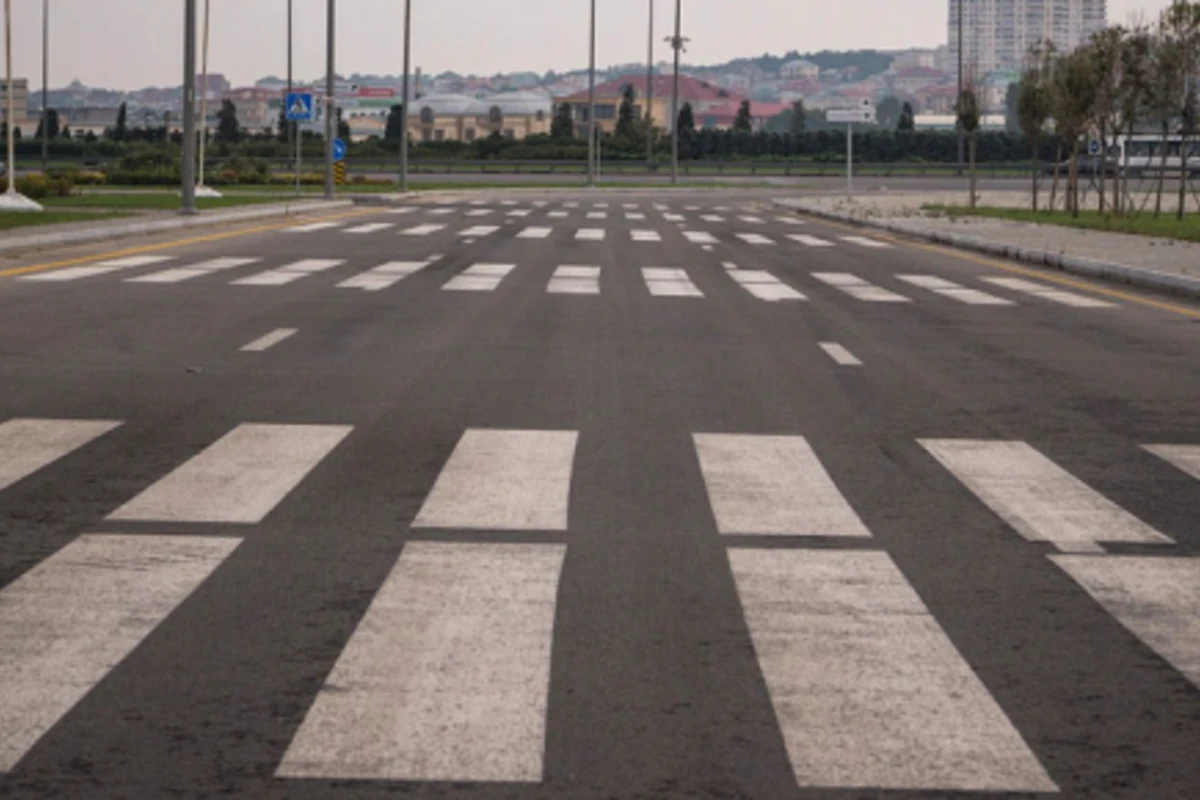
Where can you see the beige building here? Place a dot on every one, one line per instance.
(20, 101)
(459, 118)
(998, 34)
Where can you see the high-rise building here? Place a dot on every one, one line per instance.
(998, 34)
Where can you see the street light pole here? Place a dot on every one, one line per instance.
(45, 85)
(204, 98)
(187, 188)
(650, 91)
(958, 100)
(677, 43)
(591, 128)
(330, 100)
(404, 96)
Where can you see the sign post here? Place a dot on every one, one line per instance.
(339, 162)
(299, 108)
(863, 115)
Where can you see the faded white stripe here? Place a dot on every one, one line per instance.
(575, 280)
(840, 354)
(772, 485)
(504, 480)
(290, 273)
(92, 270)
(869, 691)
(699, 237)
(1047, 293)
(669, 282)
(385, 275)
(1039, 499)
(28, 445)
(590, 235)
(374, 227)
(645, 236)
(809, 241)
(954, 291)
(422, 230)
(270, 340)
(181, 274)
(535, 233)
(859, 289)
(479, 278)
(1183, 456)
(238, 479)
(863, 241)
(72, 619)
(764, 285)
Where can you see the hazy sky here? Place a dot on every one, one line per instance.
(128, 44)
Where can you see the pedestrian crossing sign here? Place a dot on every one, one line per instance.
(299, 107)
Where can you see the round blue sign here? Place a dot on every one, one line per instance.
(339, 150)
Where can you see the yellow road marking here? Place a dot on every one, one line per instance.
(1026, 271)
(150, 248)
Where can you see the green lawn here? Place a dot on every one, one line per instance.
(25, 219)
(151, 200)
(1165, 226)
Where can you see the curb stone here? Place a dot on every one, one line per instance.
(1180, 285)
(120, 229)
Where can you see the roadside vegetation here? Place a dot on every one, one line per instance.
(23, 219)
(1163, 226)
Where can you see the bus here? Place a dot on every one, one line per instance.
(1145, 151)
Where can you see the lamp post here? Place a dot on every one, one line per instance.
(201, 189)
(650, 91)
(959, 97)
(591, 127)
(292, 128)
(404, 96)
(187, 188)
(330, 99)
(11, 200)
(45, 85)
(677, 44)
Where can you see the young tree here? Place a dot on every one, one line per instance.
(1183, 26)
(1105, 47)
(1167, 88)
(744, 122)
(343, 128)
(908, 120)
(626, 119)
(799, 120)
(1136, 50)
(968, 121)
(65, 133)
(1012, 117)
(687, 128)
(1033, 109)
(52, 125)
(394, 129)
(228, 129)
(888, 112)
(121, 131)
(563, 124)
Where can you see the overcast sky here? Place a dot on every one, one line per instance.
(129, 44)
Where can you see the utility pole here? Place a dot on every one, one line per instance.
(201, 190)
(650, 91)
(45, 85)
(404, 96)
(330, 98)
(187, 188)
(958, 97)
(677, 43)
(591, 126)
(291, 127)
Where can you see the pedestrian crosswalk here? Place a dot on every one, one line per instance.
(447, 674)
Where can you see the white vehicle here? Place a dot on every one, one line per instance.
(1145, 152)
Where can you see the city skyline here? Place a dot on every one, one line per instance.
(368, 35)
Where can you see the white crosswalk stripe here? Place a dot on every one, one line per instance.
(313, 227)
(590, 234)
(535, 233)
(809, 241)
(478, 231)
(645, 236)
(954, 291)
(673, 217)
(479, 212)
(181, 274)
(401, 210)
(290, 273)
(859, 289)
(699, 237)
(570, 279)
(753, 220)
(558, 214)
(28, 445)
(863, 241)
(1185, 457)
(840, 355)
(597, 215)
(264, 343)
(520, 212)
(1046, 293)
(374, 227)
(442, 211)
(92, 270)
(712, 218)
(669, 282)
(479, 278)
(755, 239)
(385, 275)
(764, 285)
(423, 230)
(790, 220)
(635, 216)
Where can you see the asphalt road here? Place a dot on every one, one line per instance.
(456, 500)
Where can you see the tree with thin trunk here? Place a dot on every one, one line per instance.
(968, 120)
(1074, 108)
(1136, 48)
(1033, 109)
(1166, 93)
(1105, 47)
(799, 121)
(1182, 23)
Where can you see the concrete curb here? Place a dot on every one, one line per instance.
(120, 229)
(1180, 285)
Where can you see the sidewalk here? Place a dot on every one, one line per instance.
(1159, 264)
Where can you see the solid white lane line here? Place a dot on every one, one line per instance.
(238, 479)
(1036, 497)
(504, 480)
(385, 275)
(1047, 293)
(312, 227)
(840, 354)
(754, 238)
(479, 231)
(1157, 598)
(535, 233)
(1185, 457)
(373, 227)
(290, 273)
(954, 291)
(699, 237)
(28, 445)
(772, 485)
(181, 274)
(73, 618)
(645, 236)
(575, 280)
(670, 282)
(447, 677)
(422, 230)
(859, 289)
(92, 270)
(868, 689)
(590, 235)
(764, 285)
(863, 241)
(270, 340)
(809, 241)
(479, 278)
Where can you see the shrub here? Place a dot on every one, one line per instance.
(39, 187)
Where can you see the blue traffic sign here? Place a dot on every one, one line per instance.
(339, 150)
(300, 107)
(1094, 147)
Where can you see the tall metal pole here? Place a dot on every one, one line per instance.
(650, 91)
(404, 96)
(677, 43)
(187, 188)
(295, 136)
(958, 98)
(591, 126)
(45, 85)
(9, 92)
(330, 99)
(204, 95)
